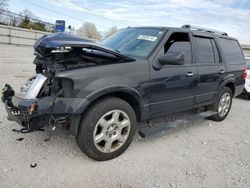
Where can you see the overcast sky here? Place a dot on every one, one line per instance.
(231, 16)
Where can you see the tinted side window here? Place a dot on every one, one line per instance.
(205, 53)
(179, 43)
(232, 51)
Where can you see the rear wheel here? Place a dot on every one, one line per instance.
(223, 104)
(107, 129)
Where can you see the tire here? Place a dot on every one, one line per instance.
(222, 108)
(107, 129)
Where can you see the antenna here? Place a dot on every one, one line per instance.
(191, 27)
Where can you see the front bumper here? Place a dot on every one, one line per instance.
(21, 110)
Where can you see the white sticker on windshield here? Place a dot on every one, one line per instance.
(147, 37)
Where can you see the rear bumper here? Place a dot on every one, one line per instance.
(238, 90)
(19, 110)
(247, 85)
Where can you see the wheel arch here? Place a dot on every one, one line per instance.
(232, 86)
(131, 96)
(230, 83)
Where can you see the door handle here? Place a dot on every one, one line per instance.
(189, 74)
(222, 72)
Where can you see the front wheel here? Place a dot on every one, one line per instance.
(223, 104)
(107, 129)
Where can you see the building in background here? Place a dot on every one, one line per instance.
(246, 49)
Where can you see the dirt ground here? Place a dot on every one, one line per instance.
(204, 154)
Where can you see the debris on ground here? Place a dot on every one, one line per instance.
(25, 130)
(16, 131)
(20, 139)
(188, 172)
(245, 141)
(204, 143)
(33, 165)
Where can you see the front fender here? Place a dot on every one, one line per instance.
(116, 89)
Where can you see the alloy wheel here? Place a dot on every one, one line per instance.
(224, 104)
(111, 131)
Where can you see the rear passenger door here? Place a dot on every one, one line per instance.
(210, 69)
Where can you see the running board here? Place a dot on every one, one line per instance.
(162, 126)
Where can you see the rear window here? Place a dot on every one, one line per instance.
(232, 51)
(205, 50)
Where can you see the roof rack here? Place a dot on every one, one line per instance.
(191, 27)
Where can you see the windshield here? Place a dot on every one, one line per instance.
(134, 42)
(248, 63)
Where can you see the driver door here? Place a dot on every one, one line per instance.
(173, 85)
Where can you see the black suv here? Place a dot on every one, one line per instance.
(102, 90)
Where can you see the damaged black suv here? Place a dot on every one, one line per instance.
(102, 90)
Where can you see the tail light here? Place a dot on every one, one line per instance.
(244, 75)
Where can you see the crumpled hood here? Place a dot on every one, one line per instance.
(52, 41)
(47, 43)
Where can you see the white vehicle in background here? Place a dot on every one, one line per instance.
(247, 84)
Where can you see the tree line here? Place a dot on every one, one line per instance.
(89, 30)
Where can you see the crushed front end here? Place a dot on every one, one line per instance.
(50, 97)
(42, 101)
(25, 107)
(45, 99)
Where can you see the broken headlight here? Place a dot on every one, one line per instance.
(33, 86)
(24, 88)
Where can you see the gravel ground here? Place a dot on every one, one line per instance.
(204, 154)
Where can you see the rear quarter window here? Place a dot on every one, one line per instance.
(232, 51)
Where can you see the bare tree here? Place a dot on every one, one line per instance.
(27, 14)
(89, 30)
(110, 31)
(3, 5)
(12, 19)
(30, 21)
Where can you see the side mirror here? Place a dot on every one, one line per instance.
(172, 59)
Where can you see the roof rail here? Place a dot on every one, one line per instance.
(191, 27)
